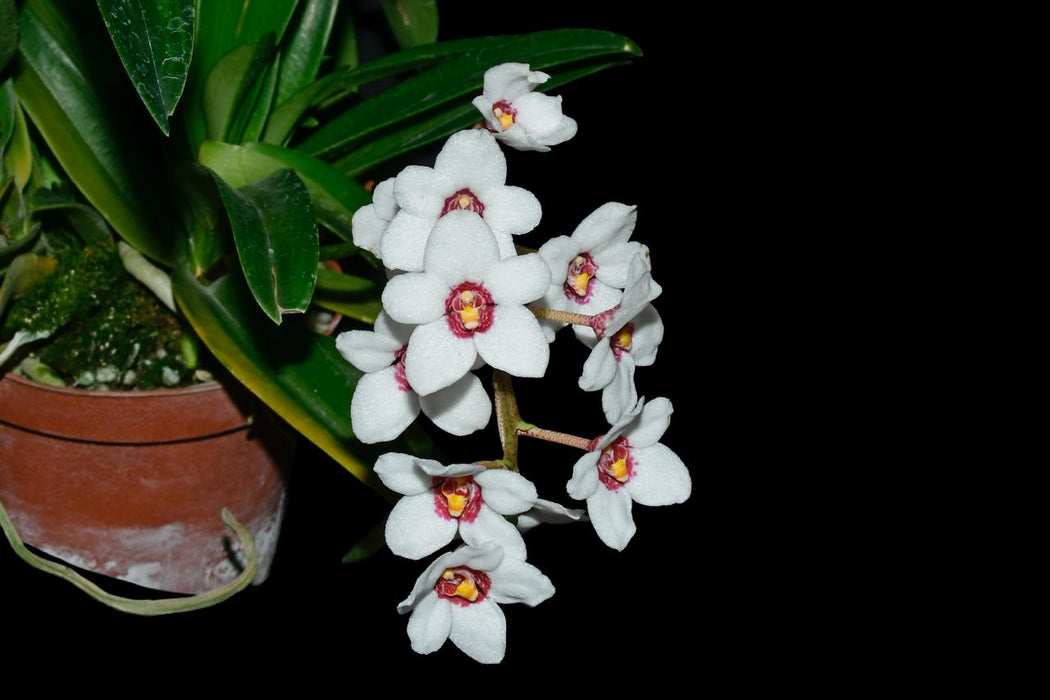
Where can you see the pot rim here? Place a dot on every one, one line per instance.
(115, 393)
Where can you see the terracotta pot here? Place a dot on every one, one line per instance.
(132, 484)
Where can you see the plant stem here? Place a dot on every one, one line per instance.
(507, 416)
(562, 316)
(553, 436)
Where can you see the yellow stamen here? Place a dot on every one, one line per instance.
(467, 590)
(464, 202)
(579, 283)
(505, 120)
(456, 504)
(623, 340)
(618, 470)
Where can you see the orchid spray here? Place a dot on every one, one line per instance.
(463, 296)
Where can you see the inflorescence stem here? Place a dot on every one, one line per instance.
(561, 316)
(553, 436)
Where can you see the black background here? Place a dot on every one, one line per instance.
(646, 612)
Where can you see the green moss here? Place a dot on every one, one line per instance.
(112, 333)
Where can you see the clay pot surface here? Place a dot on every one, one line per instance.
(131, 484)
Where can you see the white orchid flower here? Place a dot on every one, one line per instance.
(468, 302)
(519, 117)
(384, 403)
(458, 598)
(468, 175)
(440, 501)
(629, 465)
(610, 366)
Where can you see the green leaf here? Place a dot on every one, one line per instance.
(231, 85)
(298, 374)
(18, 155)
(335, 196)
(301, 59)
(8, 101)
(87, 222)
(414, 22)
(276, 238)
(345, 44)
(203, 216)
(338, 84)
(460, 79)
(154, 39)
(364, 311)
(57, 78)
(444, 122)
(8, 32)
(26, 271)
(222, 26)
(18, 246)
(253, 112)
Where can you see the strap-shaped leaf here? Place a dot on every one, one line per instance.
(276, 237)
(8, 31)
(419, 133)
(18, 149)
(301, 58)
(414, 22)
(223, 25)
(154, 39)
(233, 86)
(298, 374)
(335, 196)
(57, 78)
(338, 84)
(7, 112)
(461, 79)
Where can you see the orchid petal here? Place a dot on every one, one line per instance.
(422, 191)
(461, 248)
(620, 394)
(430, 623)
(610, 513)
(404, 473)
(660, 477)
(480, 631)
(516, 581)
(584, 481)
(600, 368)
(414, 529)
(506, 492)
(381, 408)
(404, 241)
(511, 210)
(472, 159)
(367, 350)
(518, 280)
(415, 297)
(436, 358)
(490, 526)
(459, 409)
(514, 343)
(651, 425)
(607, 225)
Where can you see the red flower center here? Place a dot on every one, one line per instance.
(504, 114)
(465, 200)
(616, 465)
(579, 279)
(469, 309)
(457, 497)
(399, 369)
(463, 586)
